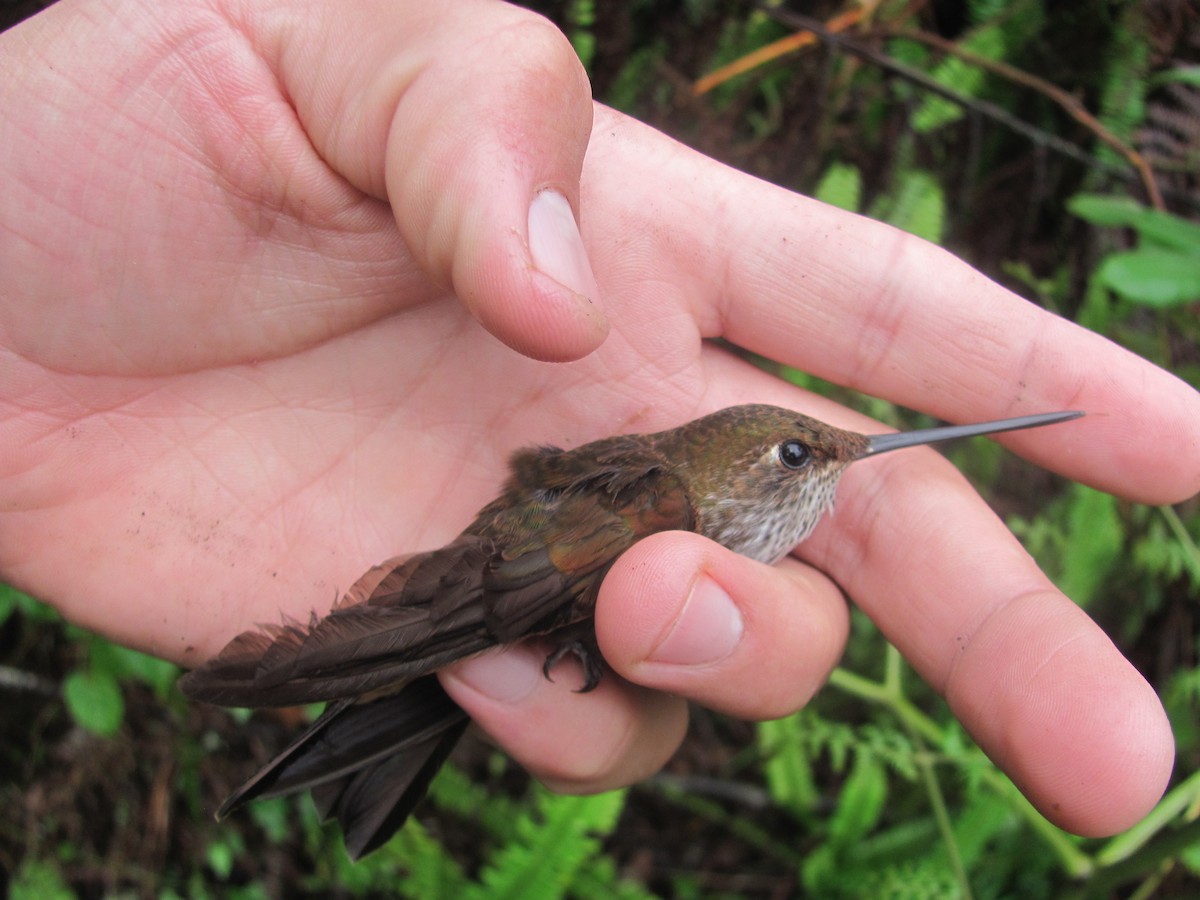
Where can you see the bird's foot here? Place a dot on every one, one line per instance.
(589, 658)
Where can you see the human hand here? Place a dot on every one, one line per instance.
(235, 377)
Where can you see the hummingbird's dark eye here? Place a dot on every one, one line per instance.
(794, 454)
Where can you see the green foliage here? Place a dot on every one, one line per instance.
(1152, 276)
(14, 601)
(1164, 548)
(455, 793)
(635, 79)
(92, 692)
(1002, 31)
(433, 873)
(273, 817)
(539, 846)
(739, 37)
(1164, 270)
(547, 847)
(788, 764)
(94, 701)
(935, 112)
(1094, 540)
(38, 880)
(1189, 75)
(581, 17)
(921, 879)
(917, 205)
(860, 802)
(221, 854)
(841, 186)
(1126, 82)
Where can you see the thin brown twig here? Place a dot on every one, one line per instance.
(981, 107)
(1067, 101)
(763, 55)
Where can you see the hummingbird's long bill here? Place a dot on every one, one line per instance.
(883, 443)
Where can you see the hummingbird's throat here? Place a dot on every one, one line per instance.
(768, 527)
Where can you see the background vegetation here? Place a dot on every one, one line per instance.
(1055, 146)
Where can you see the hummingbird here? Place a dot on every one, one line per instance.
(754, 478)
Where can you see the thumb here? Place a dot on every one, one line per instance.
(472, 118)
(681, 614)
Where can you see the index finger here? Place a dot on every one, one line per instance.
(1035, 681)
(862, 304)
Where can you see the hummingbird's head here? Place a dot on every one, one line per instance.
(760, 476)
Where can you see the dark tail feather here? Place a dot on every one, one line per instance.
(373, 803)
(367, 763)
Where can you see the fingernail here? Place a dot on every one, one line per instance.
(556, 245)
(707, 631)
(507, 676)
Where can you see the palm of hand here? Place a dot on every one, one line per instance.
(251, 413)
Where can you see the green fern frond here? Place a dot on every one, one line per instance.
(841, 186)
(430, 872)
(1123, 95)
(548, 846)
(917, 205)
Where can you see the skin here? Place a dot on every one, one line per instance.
(272, 315)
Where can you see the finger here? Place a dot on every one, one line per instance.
(1038, 685)
(682, 614)
(571, 742)
(472, 118)
(862, 304)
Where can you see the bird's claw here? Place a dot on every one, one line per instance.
(588, 656)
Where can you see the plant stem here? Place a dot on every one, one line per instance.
(1175, 804)
(1184, 537)
(887, 694)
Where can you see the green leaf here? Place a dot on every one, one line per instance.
(1093, 544)
(1122, 107)
(581, 23)
(1106, 210)
(964, 78)
(635, 78)
(273, 816)
(12, 600)
(979, 821)
(923, 877)
(841, 186)
(860, 803)
(548, 848)
(1152, 276)
(1157, 227)
(39, 880)
(600, 880)
(1189, 75)
(919, 206)
(786, 766)
(94, 701)
(431, 873)
(822, 872)
(8, 602)
(220, 857)
(1174, 809)
(122, 663)
(454, 792)
(1169, 231)
(1190, 857)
